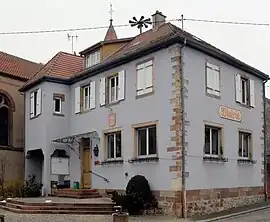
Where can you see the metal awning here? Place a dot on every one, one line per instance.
(73, 138)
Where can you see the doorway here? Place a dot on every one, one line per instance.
(86, 163)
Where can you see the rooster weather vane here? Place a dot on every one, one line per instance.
(141, 23)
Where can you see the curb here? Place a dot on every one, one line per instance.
(235, 214)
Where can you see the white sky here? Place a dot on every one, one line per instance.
(250, 44)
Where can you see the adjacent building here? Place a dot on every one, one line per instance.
(14, 72)
(164, 104)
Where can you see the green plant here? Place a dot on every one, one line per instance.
(250, 155)
(32, 188)
(138, 196)
(221, 151)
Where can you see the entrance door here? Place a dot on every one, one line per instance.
(87, 157)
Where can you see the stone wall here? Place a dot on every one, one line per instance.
(201, 202)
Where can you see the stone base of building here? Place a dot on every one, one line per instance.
(202, 202)
(207, 201)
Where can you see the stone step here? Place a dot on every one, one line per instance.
(74, 212)
(59, 207)
(77, 193)
(55, 204)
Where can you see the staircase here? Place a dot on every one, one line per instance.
(76, 208)
(76, 193)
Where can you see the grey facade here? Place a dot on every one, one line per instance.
(196, 105)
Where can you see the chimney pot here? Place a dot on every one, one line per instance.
(158, 19)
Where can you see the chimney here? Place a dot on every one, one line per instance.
(158, 19)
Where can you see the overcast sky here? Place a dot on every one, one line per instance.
(250, 44)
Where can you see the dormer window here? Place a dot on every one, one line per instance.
(92, 59)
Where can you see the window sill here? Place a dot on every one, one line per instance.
(244, 105)
(144, 159)
(58, 114)
(113, 103)
(215, 159)
(112, 161)
(212, 95)
(144, 94)
(34, 117)
(246, 161)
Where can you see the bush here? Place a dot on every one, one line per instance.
(32, 188)
(138, 196)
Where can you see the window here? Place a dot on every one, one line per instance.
(244, 90)
(145, 78)
(244, 145)
(113, 145)
(212, 79)
(146, 141)
(85, 97)
(57, 105)
(35, 103)
(92, 59)
(113, 89)
(212, 141)
(5, 120)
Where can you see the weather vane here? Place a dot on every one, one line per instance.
(111, 11)
(141, 23)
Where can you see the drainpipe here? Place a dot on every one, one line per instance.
(182, 79)
(265, 143)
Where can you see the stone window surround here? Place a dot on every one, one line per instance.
(135, 157)
(62, 98)
(220, 157)
(104, 142)
(153, 77)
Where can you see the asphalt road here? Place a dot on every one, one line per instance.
(259, 216)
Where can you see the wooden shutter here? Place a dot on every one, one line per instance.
(77, 99)
(238, 88)
(38, 102)
(209, 78)
(140, 79)
(32, 105)
(93, 95)
(252, 92)
(121, 85)
(102, 91)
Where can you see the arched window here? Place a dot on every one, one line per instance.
(5, 120)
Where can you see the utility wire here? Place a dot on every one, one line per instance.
(126, 25)
(227, 22)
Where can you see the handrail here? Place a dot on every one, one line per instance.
(105, 179)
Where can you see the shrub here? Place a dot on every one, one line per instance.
(138, 196)
(32, 188)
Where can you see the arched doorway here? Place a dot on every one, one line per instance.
(5, 120)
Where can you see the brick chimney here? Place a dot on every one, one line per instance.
(158, 19)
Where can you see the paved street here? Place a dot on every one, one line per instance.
(259, 216)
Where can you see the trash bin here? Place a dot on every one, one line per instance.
(120, 216)
(76, 185)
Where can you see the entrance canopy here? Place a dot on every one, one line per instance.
(74, 138)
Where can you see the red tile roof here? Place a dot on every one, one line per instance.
(18, 67)
(63, 65)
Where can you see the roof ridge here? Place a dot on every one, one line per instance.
(19, 58)
(67, 53)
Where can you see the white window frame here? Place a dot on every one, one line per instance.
(147, 141)
(212, 79)
(60, 105)
(85, 108)
(92, 59)
(116, 88)
(246, 90)
(143, 66)
(219, 140)
(107, 145)
(242, 134)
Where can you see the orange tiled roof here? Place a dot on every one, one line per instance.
(18, 67)
(63, 65)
